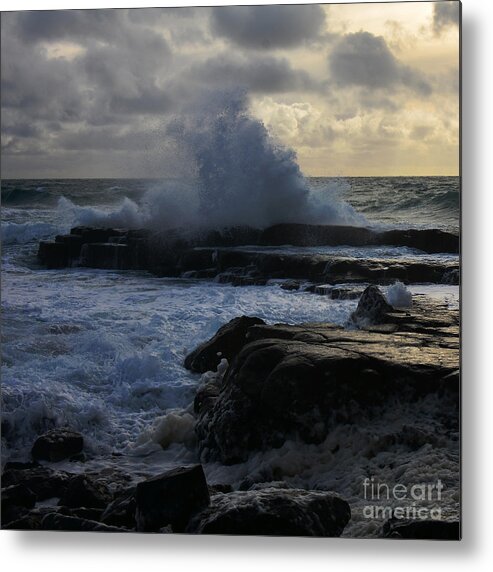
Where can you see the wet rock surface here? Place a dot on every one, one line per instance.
(372, 308)
(57, 444)
(171, 499)
(301, 381)
(44, 482)
(85, 491)
(225, 344)
(210, 254)
(274, 512)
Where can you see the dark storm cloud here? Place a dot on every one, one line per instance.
(106, 138)
(445, 14)
(40, 88)
(364, 60)
(21, 130)
(268, 27)
(261, 75)
(111, 81)
(111, 77)
(73, 25)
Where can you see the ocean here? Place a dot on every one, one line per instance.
(102, 351)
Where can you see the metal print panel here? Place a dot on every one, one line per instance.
(230, 270)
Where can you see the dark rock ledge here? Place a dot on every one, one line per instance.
(301, 381)
(210, 254)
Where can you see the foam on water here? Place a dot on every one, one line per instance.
(351, 453)
(21, 233)
(104, 354)
(399, 296)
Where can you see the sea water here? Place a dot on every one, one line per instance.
(102, 351)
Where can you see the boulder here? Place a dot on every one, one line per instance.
(53, 254)
(57, 444)
(226, 343)
(299, 382)
(85, 491)
(372, 308)
(275, 512)
(44, 482)
(422, 529)
(290, 285)
(171, 499)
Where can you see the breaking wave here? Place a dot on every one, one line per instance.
(239, 176)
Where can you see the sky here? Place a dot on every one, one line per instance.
(352, 89)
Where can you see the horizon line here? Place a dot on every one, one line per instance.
(164, 177)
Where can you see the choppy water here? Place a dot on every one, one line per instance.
(102, 351)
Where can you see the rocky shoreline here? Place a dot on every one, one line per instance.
(214, 255)
(283, 382)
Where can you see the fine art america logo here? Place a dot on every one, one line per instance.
(402, 501)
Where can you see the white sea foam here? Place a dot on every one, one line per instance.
(21, 233)
(104, 355)
(239, 176)
(399, 296)
(127, 214)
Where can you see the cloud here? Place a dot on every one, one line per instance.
(121, 75)
(260, 74)
(445, 14)
(50, 25)
(268, 27)
(364, 60)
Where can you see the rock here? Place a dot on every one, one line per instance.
(30, 520)
(25, 522)
(53, 254)
(290, 285)
(57, 444)
(82, 512)
(301, 381)
(220, 488)
(55, 521)
(205, 397)
(90, 235)
(44, 482)
(173, 252)
(422, 529)
(372, 308)
(274, 512)
(226, 343)
(20, 466)
(171, 499)
(430, 240)
(73, 243)
(247, 267)
(85, 491)
(15, 500)
(105, 255)
(316, 235)
(121, 511)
